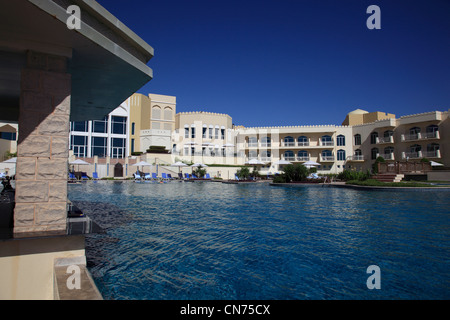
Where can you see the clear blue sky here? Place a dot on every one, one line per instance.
(296, 62)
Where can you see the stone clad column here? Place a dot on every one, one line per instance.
(42, 151)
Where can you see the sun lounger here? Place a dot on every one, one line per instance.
(169, 176)
(154, 176)
(84, 176)
(94, 175)
(186, 175)
(72, 176)
(236, 177)
(147, 176)
(207, 176)
(137, 176)
(164, 176)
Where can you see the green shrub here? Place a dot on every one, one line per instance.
(295, 172)
(348, 175)
(243, 173)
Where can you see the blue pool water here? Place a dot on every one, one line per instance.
(224, 241)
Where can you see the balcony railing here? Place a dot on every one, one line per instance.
(420, 136)
(412, 155)
(326, 158)
(432, 154)
(326, 143)
(387, 156)
(381, 140)
(355, 158)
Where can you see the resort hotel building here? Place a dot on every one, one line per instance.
(142, 122)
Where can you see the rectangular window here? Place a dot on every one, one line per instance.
(217, 133)
(79, 145)
(98, 145)
(222, 134)
(132, 128)
(100, 126)
(186, 132)
(193, 132)
(118, 125)
(132, 145)
(80, 126)
(210, 133)
(204, 132)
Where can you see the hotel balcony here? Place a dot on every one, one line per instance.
(355, 158)
(387, 156)
(295, 159)
(420, 155)
(420, 136)
(307, 144)
(326, 158)
(384, 140)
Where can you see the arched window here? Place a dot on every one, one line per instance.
(327, 155)
(326, 140)
(252, 142)
(374, 153)
(340, 140)
(302, 155)
(289, 155)
(388, 133)
(252, 154)
(289, 141)
(357, 138)
(388, 150)
(415, 148)
(432, 131)
(265, 141)
(341, 155)
(373, 137)
(432, 147)
(168, 113)
(303, 141)
(358, 152)
(265, 155)
(156, 112)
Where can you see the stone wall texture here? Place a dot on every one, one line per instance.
(42, 152)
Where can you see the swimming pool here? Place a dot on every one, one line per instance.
(211, 240)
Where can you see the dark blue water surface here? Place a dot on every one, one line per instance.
(256, 241)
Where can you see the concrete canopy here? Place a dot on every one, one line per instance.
(107, 60)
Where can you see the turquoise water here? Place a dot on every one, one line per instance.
(224, 241)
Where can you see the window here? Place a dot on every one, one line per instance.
(192, 132)
(265, 155)
(8, 136)
(340, 140)
(432, 147)
(358, 152)
(210, 132)
(373, 137)
(156, 113)
(98, 145)
(303, 141)
(414, 131)
(204, 131)
(327, 154)
(222, 134)
(374, 153)
(118, 125)
(100, 126)
(289, 141)
(302, 155)
(388, 133)
(80, 126)
(79, 145)
(118, 147)
(216, 136)
(252, 142)
(167, 114)
(252, 154)
(156, 125)
(432, 131)
(186, 132)
(265, 142)
(132, 145)
(132, 127)
(388, 150)
(357, 138)
(289, 155)
(326, 140)
(341, 155)
(415, 148)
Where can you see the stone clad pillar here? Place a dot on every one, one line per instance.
(43, 138)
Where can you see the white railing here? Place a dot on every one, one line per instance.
(387, 156)
(381, 140)
(432, 154)
(326, 143)
(302, 158)
(326, 158)
(421, 136)
(412, 155)
(355, 158)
